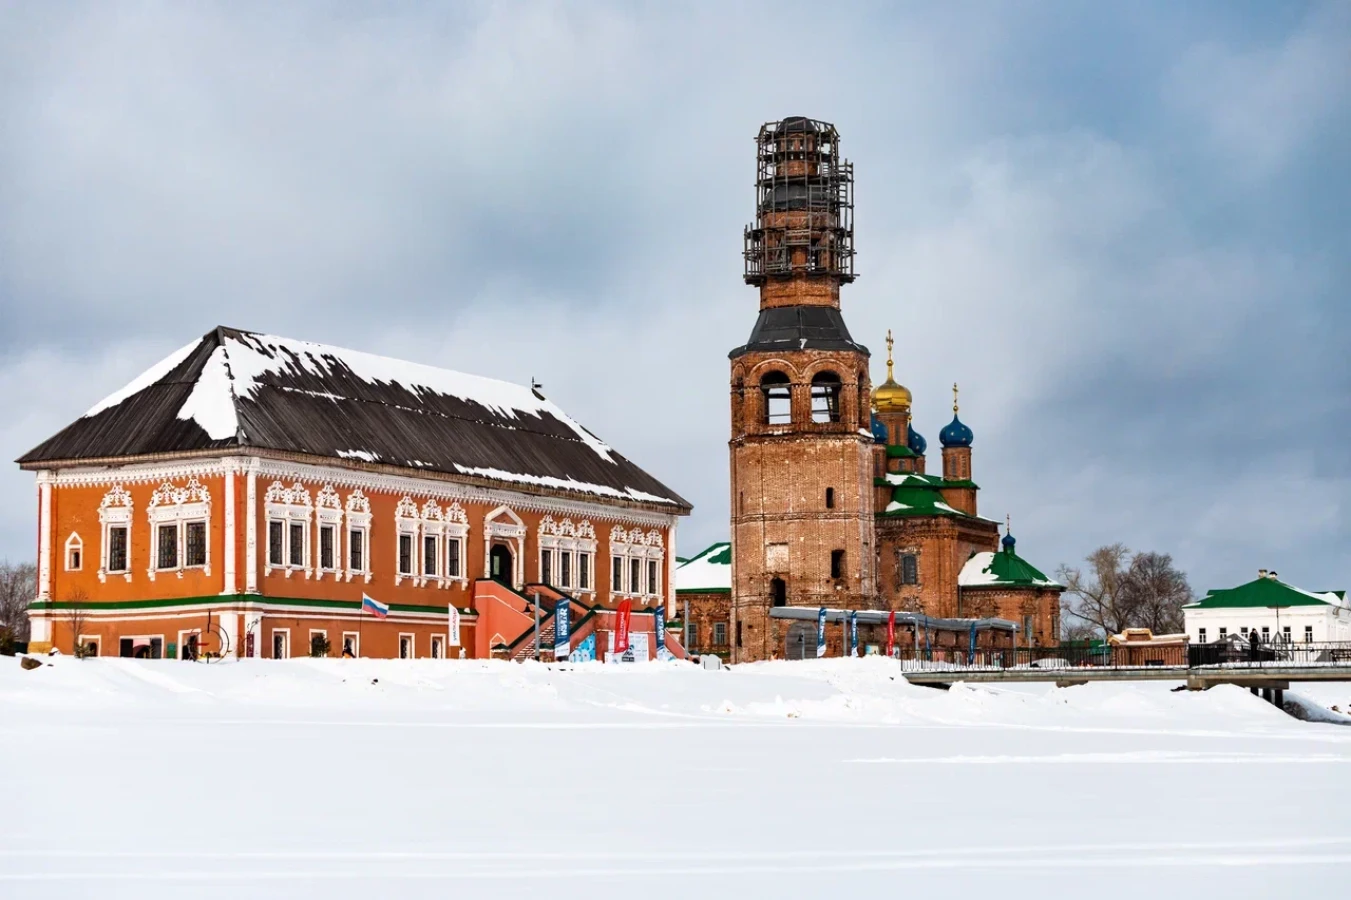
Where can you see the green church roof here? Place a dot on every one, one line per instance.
(1002, 568)
(1265, 592)
(708, 570)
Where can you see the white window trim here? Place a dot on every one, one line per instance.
(570, 539)
(412, 645)
(438, 640)
(359, 520)
(114, 512)
(356, 643)
(171, 505)
(328, 514)
(512, 531)
(406, 523)
(183, 642)
(73, 543)
(286, 642)
(643, 547)
(290, 506)
(309, 644)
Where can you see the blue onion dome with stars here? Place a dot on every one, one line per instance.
(955, 433)
(915, 441)
(879, 430)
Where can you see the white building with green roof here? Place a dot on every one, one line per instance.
(1272, 608)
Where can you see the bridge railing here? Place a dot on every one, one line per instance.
(1104, 655)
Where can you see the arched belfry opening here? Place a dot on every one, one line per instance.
(826, 393)
(777, 395)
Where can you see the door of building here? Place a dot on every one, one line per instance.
(500, 561)
(801, 641)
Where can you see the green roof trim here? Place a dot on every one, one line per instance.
(226, 600)
(1264, 592)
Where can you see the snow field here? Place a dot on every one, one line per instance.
(386, 778)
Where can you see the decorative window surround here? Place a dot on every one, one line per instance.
(504, 525)
(177, 506)
(328, 514)
(569, 542)
(634, 550)
(433, 527)
(406, 518)
(455, 526)
(359, 528)
(74, 556)
(114, 512)
(289, 506)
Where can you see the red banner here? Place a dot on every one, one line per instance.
(622, 628)
(891, 633)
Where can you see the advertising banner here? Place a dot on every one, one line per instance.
(853, 633)
(453, 628)
(659, 622)
(562, 634)
(821, 633)
(586, 650)
(891, 633)
(622, 626)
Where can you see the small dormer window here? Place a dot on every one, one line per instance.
(74, 553)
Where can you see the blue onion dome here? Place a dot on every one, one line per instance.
(955, 434)
(879, 430)
(1008, 542)
(915, 441)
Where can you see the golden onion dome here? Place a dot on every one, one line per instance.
(890, 396)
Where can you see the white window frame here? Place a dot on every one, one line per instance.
(309, 644)
(358, 520)
(285, 634)
(572, 540)
(503, 524)
(1200, 635)
(634, 545)
(74, 543)
(412, 645)
(114, 512)
(176, 506)
(183, 642)
(438, 646)
(328, 514)
(406, 522)
(356, 643)
(290, 506)
(455, 526)
(1308, 634)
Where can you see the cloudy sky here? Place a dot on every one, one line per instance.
(1124, 230)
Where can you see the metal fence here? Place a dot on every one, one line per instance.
(1099, 654)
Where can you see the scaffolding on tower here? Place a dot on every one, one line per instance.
(804, 221)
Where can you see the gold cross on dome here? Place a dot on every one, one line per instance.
(890, 344)
(954, 398)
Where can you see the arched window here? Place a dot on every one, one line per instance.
(778, 398)
(826, 397)
(778, 593)
(909, 569)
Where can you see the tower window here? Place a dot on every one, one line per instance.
(826, 397)
(837, 564)
(909, 569)
(778, 399)
(778, 595)
(830, 498)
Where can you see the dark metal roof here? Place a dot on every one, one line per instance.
(237, 389)
(799, 328)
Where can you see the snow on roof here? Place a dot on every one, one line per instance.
(237, 388)
(709, 570)
(1001, 567)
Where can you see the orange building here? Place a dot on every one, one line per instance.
(242, 496)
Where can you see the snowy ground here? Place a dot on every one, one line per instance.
(365, 778)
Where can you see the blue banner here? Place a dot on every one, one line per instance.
(971, 657)
(659, 620)
(562, 629)
(853, 633)
(821, 633)
(586, 650)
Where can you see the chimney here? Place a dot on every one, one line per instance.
(1261, 573)
(1272, 575)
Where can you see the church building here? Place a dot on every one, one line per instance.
(832, 507)
(258, 496)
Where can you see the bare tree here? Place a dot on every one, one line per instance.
(1121, 590)
(1095, 597)
(76, 614)
(18, 587)
(1156, 592)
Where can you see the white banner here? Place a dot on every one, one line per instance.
(453, 631)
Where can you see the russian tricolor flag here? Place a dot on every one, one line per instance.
(374, 607)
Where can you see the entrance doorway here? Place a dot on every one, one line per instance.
(500, 564)
(778, 592)
(801, 641)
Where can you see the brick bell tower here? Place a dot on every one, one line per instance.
(802, 498)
